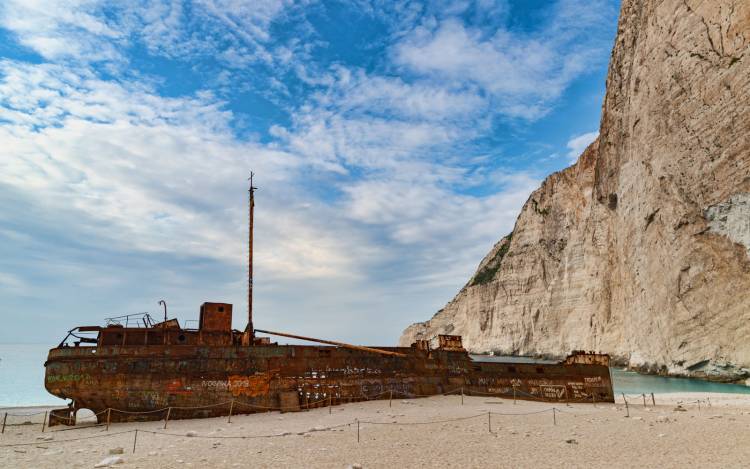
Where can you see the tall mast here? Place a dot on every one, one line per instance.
(251, 203)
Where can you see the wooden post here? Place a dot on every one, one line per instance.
(135, 440)
(627, 409)
(330, 404)
(357, 430)
(644, 400)
(699, 405)
(231, 408)
(390, 399)
(653, 401)
(623, 397)
(554, 416)
(593, 398)
(462, 395)
(514, 394)
(109, 414)
(166, 419)
(4, 419)
(489, 421)
(44, 423)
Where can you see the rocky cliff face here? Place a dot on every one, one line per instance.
(642, 248)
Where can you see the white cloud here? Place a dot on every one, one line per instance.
(158, 174)
(375, 193)
(59, 29)
(14, 283)
(427, 212)
(97, 31)
(578, 143)
(354, 91)
(523, 72)
(152, 173)
(125, 170)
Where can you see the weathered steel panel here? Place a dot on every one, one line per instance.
(140, 372)
(215, 317)
(145, 378)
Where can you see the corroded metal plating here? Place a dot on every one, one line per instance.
(138, 371)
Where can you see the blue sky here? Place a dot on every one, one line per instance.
(393, 142)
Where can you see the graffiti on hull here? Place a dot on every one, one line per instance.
(238, 385)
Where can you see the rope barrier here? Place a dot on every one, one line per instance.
(356, 422)
(426, 423)
(68, 440)
(257, 406)
(244, 404)
(526, 413)
(131, 412)
(575, 413)
(243, 437)
(328, 400)
(239, 437)
(202, 406)
(25, 415)
(275, 435)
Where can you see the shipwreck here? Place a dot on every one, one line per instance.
(135, 368)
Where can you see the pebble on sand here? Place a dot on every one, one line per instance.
(110, 461)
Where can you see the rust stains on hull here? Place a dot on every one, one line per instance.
(139, 380)
(142, 370)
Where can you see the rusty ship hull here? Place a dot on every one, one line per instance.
(144, 381)
(135, 369)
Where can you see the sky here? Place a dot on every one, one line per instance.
(393, 143)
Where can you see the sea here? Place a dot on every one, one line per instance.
(22, 378)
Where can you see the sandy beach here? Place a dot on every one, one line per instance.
(525, 434)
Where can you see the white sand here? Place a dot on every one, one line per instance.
(601, 436)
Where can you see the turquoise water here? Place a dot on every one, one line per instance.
(630, 382)
(22, 378)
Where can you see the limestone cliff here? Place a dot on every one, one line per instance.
(642, 248)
